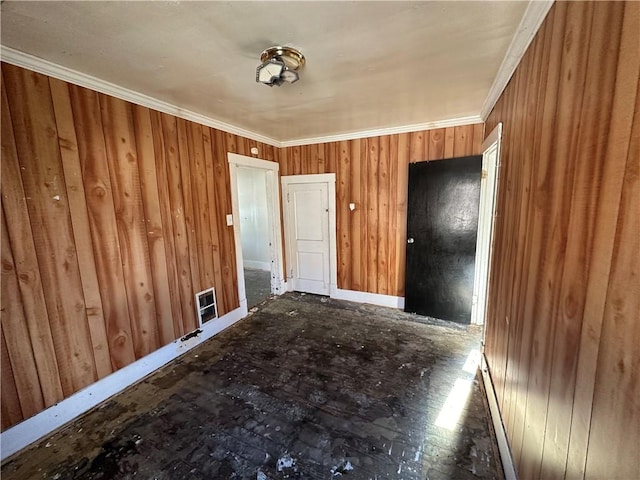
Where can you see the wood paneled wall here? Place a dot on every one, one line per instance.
(373, 174)
(563, 328)
(113, 216)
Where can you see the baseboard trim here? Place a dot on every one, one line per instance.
(44, 423)
(366, 297)
(498, 426)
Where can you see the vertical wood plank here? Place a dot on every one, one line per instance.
(201, 207)
(402, 189)
(26, 262)
(103, 224)
(356, 217)
(154, 226)
(185, 154)
(372, 213)
(365, 196)
(343, 195)
(436, 144)
(10, 412)
(169, 134)
(125, 182)
(383, 237)
(417, 153)
(615, 148)
(449, 142)
(162, 151)
(392, 232)
(14, 326)
(615, 425)
(80, 222)
(214, 217)
(43, 179)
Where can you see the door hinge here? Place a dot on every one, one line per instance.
(288, 198)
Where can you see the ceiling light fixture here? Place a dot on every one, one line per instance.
(279, 65)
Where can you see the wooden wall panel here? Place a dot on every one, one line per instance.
(42, 176)
(114, 215)
(563, 315)
(373, 174)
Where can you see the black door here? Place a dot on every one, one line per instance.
(442, 224)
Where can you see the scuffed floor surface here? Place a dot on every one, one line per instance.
(307, 388)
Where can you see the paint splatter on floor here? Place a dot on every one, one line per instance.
(338, 390)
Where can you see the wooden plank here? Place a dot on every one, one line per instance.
(174, 185)
(120, 144)
(201, 208)
(581, 224)
(223, 200)
(417, 146)
(343, 197)
(331, 155)
(402, 187)
(188, 208)
(478, 137)
(42, 176)
(103, 224)
(523, 310)
(161, 151)
(615, 147)
(436, 144)
(372, 214)
(214, 217)
(356, 217)
(14, 328)
(322, 162)
(80, 221)
(26, 262)
(11, 412)
(365, 199)
(557, 183)
(154, 225)
(449, 142)
(615, 424)
(383, 235)
(392, 233)
(463, 141)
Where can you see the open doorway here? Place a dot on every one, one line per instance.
(256, 218)
(486, 220)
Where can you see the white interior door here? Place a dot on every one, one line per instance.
(486, 217)
(309, 206)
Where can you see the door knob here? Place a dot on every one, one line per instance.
(410, 240)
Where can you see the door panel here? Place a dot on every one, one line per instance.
(308, 210)
(442, 223)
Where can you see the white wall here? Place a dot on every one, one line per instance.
(254, 224)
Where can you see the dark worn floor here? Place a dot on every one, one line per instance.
(306, 387)
(257, 284)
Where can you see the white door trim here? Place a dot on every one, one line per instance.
(330, 180)
(275, 228)
(486, 221)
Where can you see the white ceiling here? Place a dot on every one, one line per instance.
(370, 65)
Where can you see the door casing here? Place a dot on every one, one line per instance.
(275, 227)
(330, 180)
(486, 222)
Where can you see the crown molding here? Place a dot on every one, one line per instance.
(31, 62)
(45, 67)
(416, 127)
(531, 21)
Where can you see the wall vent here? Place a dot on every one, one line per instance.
(206, 305)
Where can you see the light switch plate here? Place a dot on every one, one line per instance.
(229, 220)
